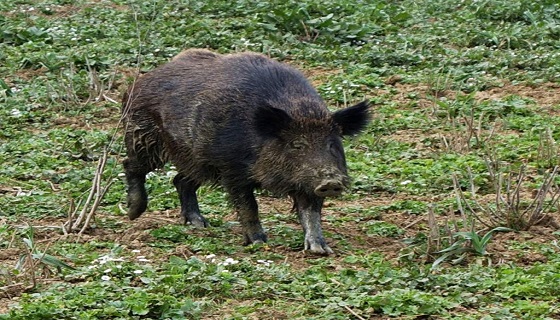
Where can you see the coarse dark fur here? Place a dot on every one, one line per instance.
(243, 121)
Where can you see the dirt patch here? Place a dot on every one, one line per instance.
(25, 75)
(319, 75)
(546, 95)
(54, 11)
(500, 246)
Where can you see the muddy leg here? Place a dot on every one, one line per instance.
(137, 198)
(309, 213)
(248, 214)
(190, 211)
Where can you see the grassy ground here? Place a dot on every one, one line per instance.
(466, 103)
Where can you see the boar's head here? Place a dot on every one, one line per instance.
(302, 152)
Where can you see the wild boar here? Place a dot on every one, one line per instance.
(242, 121)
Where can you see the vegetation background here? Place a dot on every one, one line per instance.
(452, 213)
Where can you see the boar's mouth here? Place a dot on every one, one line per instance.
(322, 187)
(325, 187)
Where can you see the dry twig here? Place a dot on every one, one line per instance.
(510, 208)
(354, 313)
(96, 194)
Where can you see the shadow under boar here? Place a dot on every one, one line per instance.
(243, 121)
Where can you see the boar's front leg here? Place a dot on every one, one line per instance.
(137, 198)
(248, 214)
(190, 211)
(309, 213)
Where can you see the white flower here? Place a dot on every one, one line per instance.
(135, 250)
(16, 113)
(210, 256)
(107, 270)
(229, 261)
(138, 271)
(404, 183)
(106, 258)
(105, 278)
(265, 262)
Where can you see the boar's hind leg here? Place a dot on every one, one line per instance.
(309, 213)
(190, 211)
(248, 214)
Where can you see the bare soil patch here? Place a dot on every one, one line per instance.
(546, 95)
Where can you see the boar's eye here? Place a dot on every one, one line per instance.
(334, 147)
(298, 144)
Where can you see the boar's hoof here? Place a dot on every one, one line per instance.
(317, 247)
(196, 220)
(255, 238)
(137, 203)
(135, 211)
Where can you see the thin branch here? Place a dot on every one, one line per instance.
(354, 313)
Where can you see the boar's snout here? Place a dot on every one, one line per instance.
(329, 188)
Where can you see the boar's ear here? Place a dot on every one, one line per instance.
(270, 121)
(354, 119)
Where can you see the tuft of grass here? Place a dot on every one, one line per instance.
(466, 242)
